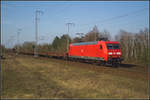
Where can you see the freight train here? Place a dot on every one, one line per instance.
(104, 52)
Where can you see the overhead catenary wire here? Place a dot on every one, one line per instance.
(62, 10)
(114, 18)
(118, 17)
(128, 22)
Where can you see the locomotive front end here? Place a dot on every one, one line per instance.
(114, 53)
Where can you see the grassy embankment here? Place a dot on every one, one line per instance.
(29, 77)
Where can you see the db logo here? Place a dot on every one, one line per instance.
(82, 50)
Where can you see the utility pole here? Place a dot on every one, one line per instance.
(18, 33)
(148, 48)
(12, 39)
(36, 32)
(68, 29)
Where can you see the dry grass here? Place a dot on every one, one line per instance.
(28, 77)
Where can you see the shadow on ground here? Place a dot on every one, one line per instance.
(127, 65)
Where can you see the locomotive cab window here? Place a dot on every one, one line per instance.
(116, 46)
(113, 46)
(109, 46)
(101, 47)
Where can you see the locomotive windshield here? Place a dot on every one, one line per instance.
(113, 46)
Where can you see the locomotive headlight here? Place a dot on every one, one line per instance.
(118, 53)
(110, 53)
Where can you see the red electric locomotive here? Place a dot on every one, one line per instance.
(105, 51)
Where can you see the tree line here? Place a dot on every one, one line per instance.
(59, 44)
(135, 46)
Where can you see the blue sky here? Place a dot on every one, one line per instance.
(85, 15)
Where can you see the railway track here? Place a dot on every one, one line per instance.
(126, 70)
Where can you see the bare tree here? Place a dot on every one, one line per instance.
(134, 45)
